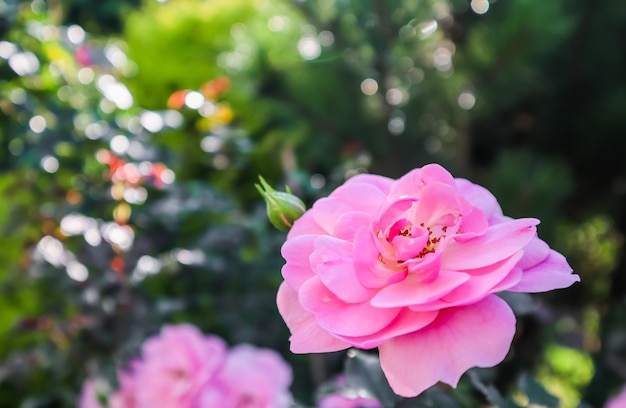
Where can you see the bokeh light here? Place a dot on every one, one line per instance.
(479, 6)
(466, 100)
(369, 86)
(309, 47)
(50, 164)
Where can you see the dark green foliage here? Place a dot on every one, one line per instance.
(527, 99)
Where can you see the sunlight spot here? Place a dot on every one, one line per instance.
(115, 56)
(326, 38)
(74, 224)
(119, 144)
(37, 124)
(466, 100)
(277, 23)
(317, 181)
(396, 124)
(7, 49)
(173, 119)
(221, 161)
(114, 91)
(211, 144)
(24, 63)
(119, 235)
(208, 109)
(369, 86)
(75, 34)
(151, 121)
(85, 75)
(479, 6)
(96, 130)
(50, 164)
(18, 96)
(427, 28)
(442, 59)
(92, 236)
(135, 195)
(309, 48)
(187, 257)
(149, 265)
(167, 176)
(77, 271)
(52, 250)
(394, 96)
(194, 100)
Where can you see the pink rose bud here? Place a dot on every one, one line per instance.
(282, 208)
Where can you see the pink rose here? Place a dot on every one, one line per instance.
(411, 266)
(341, 401)
(124, 397)
(252, 378)
(617, 401)
(175, 368)
(89, 395)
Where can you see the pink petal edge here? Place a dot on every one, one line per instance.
(306, 335)
(477, 335)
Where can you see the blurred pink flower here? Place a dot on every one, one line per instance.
(124, 397)
(252, 378)
(174, 369)
(89, 395)
(182, 368)
(411, 266)
(617, 401)
(337, 400)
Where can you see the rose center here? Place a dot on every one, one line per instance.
(408, 241)
(431, 242)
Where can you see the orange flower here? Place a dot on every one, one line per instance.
(177, 99)
(212, 89)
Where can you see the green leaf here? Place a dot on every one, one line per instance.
(364, 374)
(536, 393)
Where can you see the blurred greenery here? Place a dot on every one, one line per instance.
(132, 134)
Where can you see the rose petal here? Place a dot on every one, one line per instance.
(473, 223)
(433, 172)
(553, 273)
(412, 291)
(339, 317)
(479, 197)
(428, 265)
(406, 322)
(477, 335)
(412, 183)
(482, 281)
(535, 252)
(498, 243)
(512, 279)
(296, 252)
(408, 247)
(391, 213)
(369, 270)
(333, 263)
(350, 197)
(306, 335)
(439, 206)
(380, 182)
(348, 224)
(305, 225)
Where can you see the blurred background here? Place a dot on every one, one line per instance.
(133, 132)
